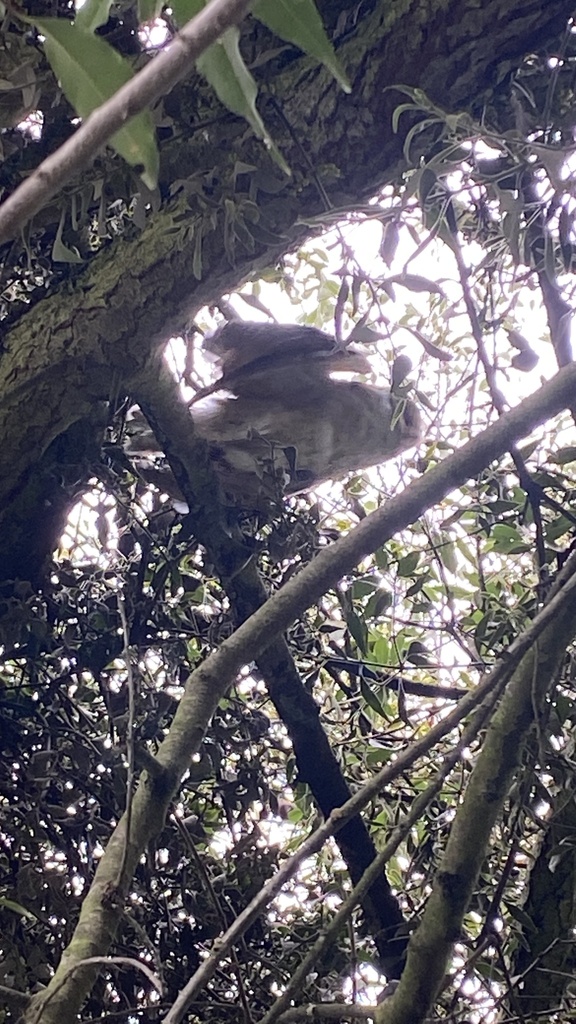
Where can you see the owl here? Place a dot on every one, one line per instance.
(276, 421)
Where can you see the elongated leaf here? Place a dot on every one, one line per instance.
(90, 71)
(223, 67)
(371, 699)
(408, 563)
(565, 455)
(400, 369)
(298, 22)
(358, 630)
(92, 14)
(389, 243)
(183, 10)
(7, 904)
(148, 10)
(416, 283)
(61, 253)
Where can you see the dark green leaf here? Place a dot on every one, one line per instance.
(298, 22)
(60, 252)
(223, 67)
(378, 604)
(371, 699)
(358, 630)
(90, 71)
(408, 563)
(565, 455)
(558, 528)
(92, 14)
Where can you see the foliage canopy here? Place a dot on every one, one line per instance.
(185, 698)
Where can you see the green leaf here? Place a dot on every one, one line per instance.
(92, 14)
(90, 71)
(417, 653)
(17, 908)
(565, 455)
(522, 918)
(185, 9)
(558, 528)
(371, 699)
(298, 22)
(507, 539)
(447, 552)
(61, 253)
(382, 558)
(381, 653)
(397, 114)
(379, 755)
(378, 604)
(408, 563)
(223, 67)
(468, 553)
(148, 10)
(416, 283)
(358, 631)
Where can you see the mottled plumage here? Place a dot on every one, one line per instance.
(277, 422)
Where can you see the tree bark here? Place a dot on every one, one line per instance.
(500, 757)
(545, 960)
(66, 355)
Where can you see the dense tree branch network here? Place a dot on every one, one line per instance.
(149, 85)
(89, 332)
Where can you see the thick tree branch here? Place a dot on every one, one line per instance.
(481, 700)
(82, 342)
(149, 85)
(431, 945)
(316, 762)
(103, 904)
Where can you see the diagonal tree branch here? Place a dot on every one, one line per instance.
(103, 904)
(432, 943)
(481, 700)
(149, 85)
(316, 761)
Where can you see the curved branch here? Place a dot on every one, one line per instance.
(430, 947)
(481, 700)
(205, 687)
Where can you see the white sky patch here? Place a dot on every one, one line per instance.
(32, 124)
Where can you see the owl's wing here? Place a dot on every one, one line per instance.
(249, 351)
(296, 429)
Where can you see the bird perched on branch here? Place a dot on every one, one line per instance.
(276, 421)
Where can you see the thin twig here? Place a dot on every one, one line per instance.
(108, 961)
(130, 755)
(149, 85)
(491, 682)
